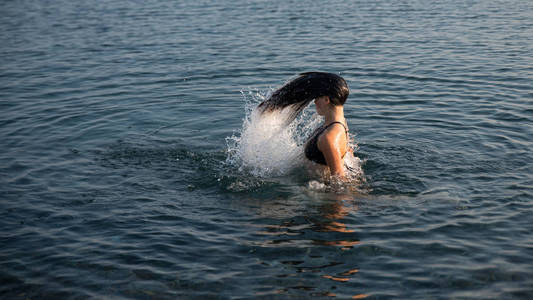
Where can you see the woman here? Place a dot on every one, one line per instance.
(329, 143)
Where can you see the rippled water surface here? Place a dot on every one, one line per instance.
(118, 120)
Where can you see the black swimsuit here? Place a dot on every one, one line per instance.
(311, 148)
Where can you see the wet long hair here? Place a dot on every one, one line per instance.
(301, 90)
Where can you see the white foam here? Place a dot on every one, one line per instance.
(266, 146)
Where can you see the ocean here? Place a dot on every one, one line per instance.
(131, 165)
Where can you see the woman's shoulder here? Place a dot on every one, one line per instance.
(332, 131)
(336, 128)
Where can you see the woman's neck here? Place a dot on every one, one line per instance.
(335, 114)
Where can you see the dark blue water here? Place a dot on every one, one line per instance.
(116, 120)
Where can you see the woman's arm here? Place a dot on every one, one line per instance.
(332, 144)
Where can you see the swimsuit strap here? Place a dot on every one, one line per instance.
(345, 129)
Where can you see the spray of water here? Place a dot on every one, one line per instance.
(267, 147)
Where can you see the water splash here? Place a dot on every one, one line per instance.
(266, 146)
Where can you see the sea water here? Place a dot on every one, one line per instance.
(133, 165)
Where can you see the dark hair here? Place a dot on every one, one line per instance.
(326, 84)
(301, 90)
